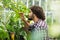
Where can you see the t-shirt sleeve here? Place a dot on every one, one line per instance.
(31, 27)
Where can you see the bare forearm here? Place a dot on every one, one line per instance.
(27, 24)
(26, 27)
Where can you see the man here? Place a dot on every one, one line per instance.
(39, 28)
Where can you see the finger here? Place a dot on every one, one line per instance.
(20, 13)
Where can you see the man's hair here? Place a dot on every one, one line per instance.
(38, 11)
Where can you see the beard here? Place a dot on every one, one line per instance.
(30, 19)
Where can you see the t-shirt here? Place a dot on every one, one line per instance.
(38, 31)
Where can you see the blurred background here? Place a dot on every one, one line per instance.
(10, 22)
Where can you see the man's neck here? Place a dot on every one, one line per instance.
(35, 20)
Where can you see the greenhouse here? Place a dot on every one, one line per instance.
(12, 27)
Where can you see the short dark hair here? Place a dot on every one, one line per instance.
(38, 11)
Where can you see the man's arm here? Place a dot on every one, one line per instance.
(27, 24)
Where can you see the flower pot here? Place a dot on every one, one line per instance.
(12, 35)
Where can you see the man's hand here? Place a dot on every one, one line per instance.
(22, 16)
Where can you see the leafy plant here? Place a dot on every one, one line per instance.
(13, 22)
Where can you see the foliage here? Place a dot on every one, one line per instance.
(12, 21)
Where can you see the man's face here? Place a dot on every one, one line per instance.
(31, 16)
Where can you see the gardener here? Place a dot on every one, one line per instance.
(39, 28)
